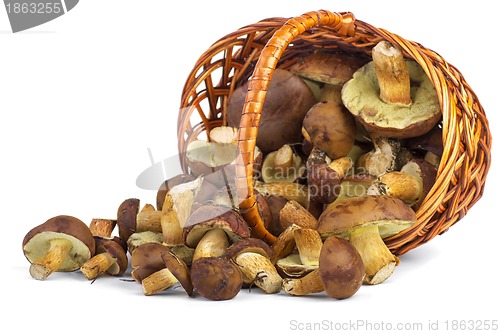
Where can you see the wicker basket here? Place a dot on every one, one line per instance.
(254, 51)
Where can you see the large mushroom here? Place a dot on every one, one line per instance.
(287, 101)
(392, 96)
(62, 243)
(366, 221)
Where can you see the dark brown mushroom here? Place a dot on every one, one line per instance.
(110, 258)
(287, 101)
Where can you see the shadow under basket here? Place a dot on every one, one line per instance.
(254, 51)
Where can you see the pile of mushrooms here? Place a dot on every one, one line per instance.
(347, 150)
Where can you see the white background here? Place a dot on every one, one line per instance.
(83, 98)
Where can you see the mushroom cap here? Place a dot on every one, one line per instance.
(287, 101)
(146, 260)
(341, 268)
(360, 95)
(168, 184)
(208, 217)
(270, 174)
(331, 128)
(431, 141)
(216, 278)
(36, 242)
(390, 214)
(328, 67)
(127, 217)
(290, 266)
(249, 245)
(116, 251)
(179, 269)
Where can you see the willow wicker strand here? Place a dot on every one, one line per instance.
(466, 137)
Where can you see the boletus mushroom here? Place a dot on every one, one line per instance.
(110, 258)
(392, 96)
(282, 165)
(330, 128)
(366, 221)
(62, 243)
(287, 101)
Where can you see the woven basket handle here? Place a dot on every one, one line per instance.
(343, 24)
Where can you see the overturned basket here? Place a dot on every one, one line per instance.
(254, 51)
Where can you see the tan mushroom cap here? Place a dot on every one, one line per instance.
(37, 241)
(390, 214)
(360, 95)
(208, 217)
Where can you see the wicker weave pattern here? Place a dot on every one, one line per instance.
(255, 50)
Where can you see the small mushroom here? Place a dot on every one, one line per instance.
(282, 165)
(179, 269)
(404, 186)
(127, 217)
(381, 159)
(211, 229)
(288, 99)
(308, 284)
(425, 172)
(148, 268)
(366, 221)
(216, 278)
(253, 258)
(391, 96)
(62, 243)
(324, 176)
(429, 145)
(330, 128)
(110, 258)
(341, 268)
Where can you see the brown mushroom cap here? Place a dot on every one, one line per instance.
(179, 269)
(341, 268)
(252, 245)
(208, 217)
(331, 128)
(168, 184)
(390, 214)
(328, 67)
(36, 241)
(116, 251)
(146, 260)
(287, 101)
(127, 217)
(360, 95)
(216, 278)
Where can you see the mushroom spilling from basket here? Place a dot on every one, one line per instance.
(347, 149)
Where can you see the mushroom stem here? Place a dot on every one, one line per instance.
(97, 265)
(102, 227)
(259, 270)
(392, 74)
(213, 244)
(283, 160)
(149, 220)
(158, 281)
(401, 185)
(310, 283)
(52, 260)
(378, 261)
(170, 226)
(309, 244)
